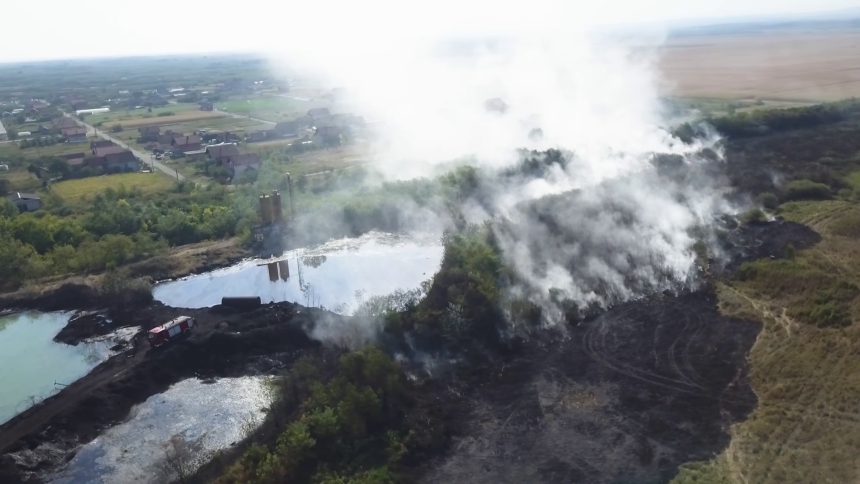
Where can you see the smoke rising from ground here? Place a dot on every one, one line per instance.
(615, 227)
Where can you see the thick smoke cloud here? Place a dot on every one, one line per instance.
(602, 226)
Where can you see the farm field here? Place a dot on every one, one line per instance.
(820, 66)
(186, 116)
(21, 180)
(12, 149)
(86, 188)
(276, 107)
(121, 116)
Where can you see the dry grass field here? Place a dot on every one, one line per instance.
(806, 428)
(164, 120)
(820, 66)
(86, 188)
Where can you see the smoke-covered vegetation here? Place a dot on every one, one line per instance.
(356, 420)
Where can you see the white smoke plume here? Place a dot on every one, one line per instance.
(545, 79)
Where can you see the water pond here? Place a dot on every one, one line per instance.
(335, 275)
(33, 366)
(188, 423)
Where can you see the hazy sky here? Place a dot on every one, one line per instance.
(94, 28)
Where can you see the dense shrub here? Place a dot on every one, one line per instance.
(768, 200)
(358, 425)
(806, 190)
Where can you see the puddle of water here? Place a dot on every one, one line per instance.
(31, 362)
(205, 417)
(329, 275)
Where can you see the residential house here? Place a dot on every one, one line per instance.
(36, 106)
(238, 164)
(187, 143)
(165, 140)
(207, 106)
(64, 122)
(75, 135)
(102, 151)
(149, 133)
(3, 134)
(218, 152)
(101, 143)
(78, 104)
(196, 155)
(256, 136)
(287, 128)
(113, 160)
(42, 130)
(328, 132)
(26, 202)
(124, 161)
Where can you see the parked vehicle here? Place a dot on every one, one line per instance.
(171, 330)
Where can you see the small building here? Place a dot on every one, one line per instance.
(103, 151)
(26, 202)
(149, 133)
(42, 130)
(256, 136)
(196, 154)
(328, 132)
(239, 164)
(24, 133)
(221, 151)
(64, 122)
(124, 161)
(101, 143)
(75, 135)
(207, 106)
(287, 128)
(78, 104)
(187, 143)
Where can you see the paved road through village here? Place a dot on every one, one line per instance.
(144, 157)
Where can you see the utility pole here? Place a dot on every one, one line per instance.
(290, 190)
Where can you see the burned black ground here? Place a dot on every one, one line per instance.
(626, 397)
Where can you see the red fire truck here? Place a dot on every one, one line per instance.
(171, 330)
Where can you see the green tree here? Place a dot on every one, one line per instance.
(17, 261)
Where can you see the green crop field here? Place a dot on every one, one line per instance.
(86, 188)
(272, 108)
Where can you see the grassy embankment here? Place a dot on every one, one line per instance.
(804, 366)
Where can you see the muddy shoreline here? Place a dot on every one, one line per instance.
(226, 344)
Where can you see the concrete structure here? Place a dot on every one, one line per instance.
(3, 135)
(26, 202)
